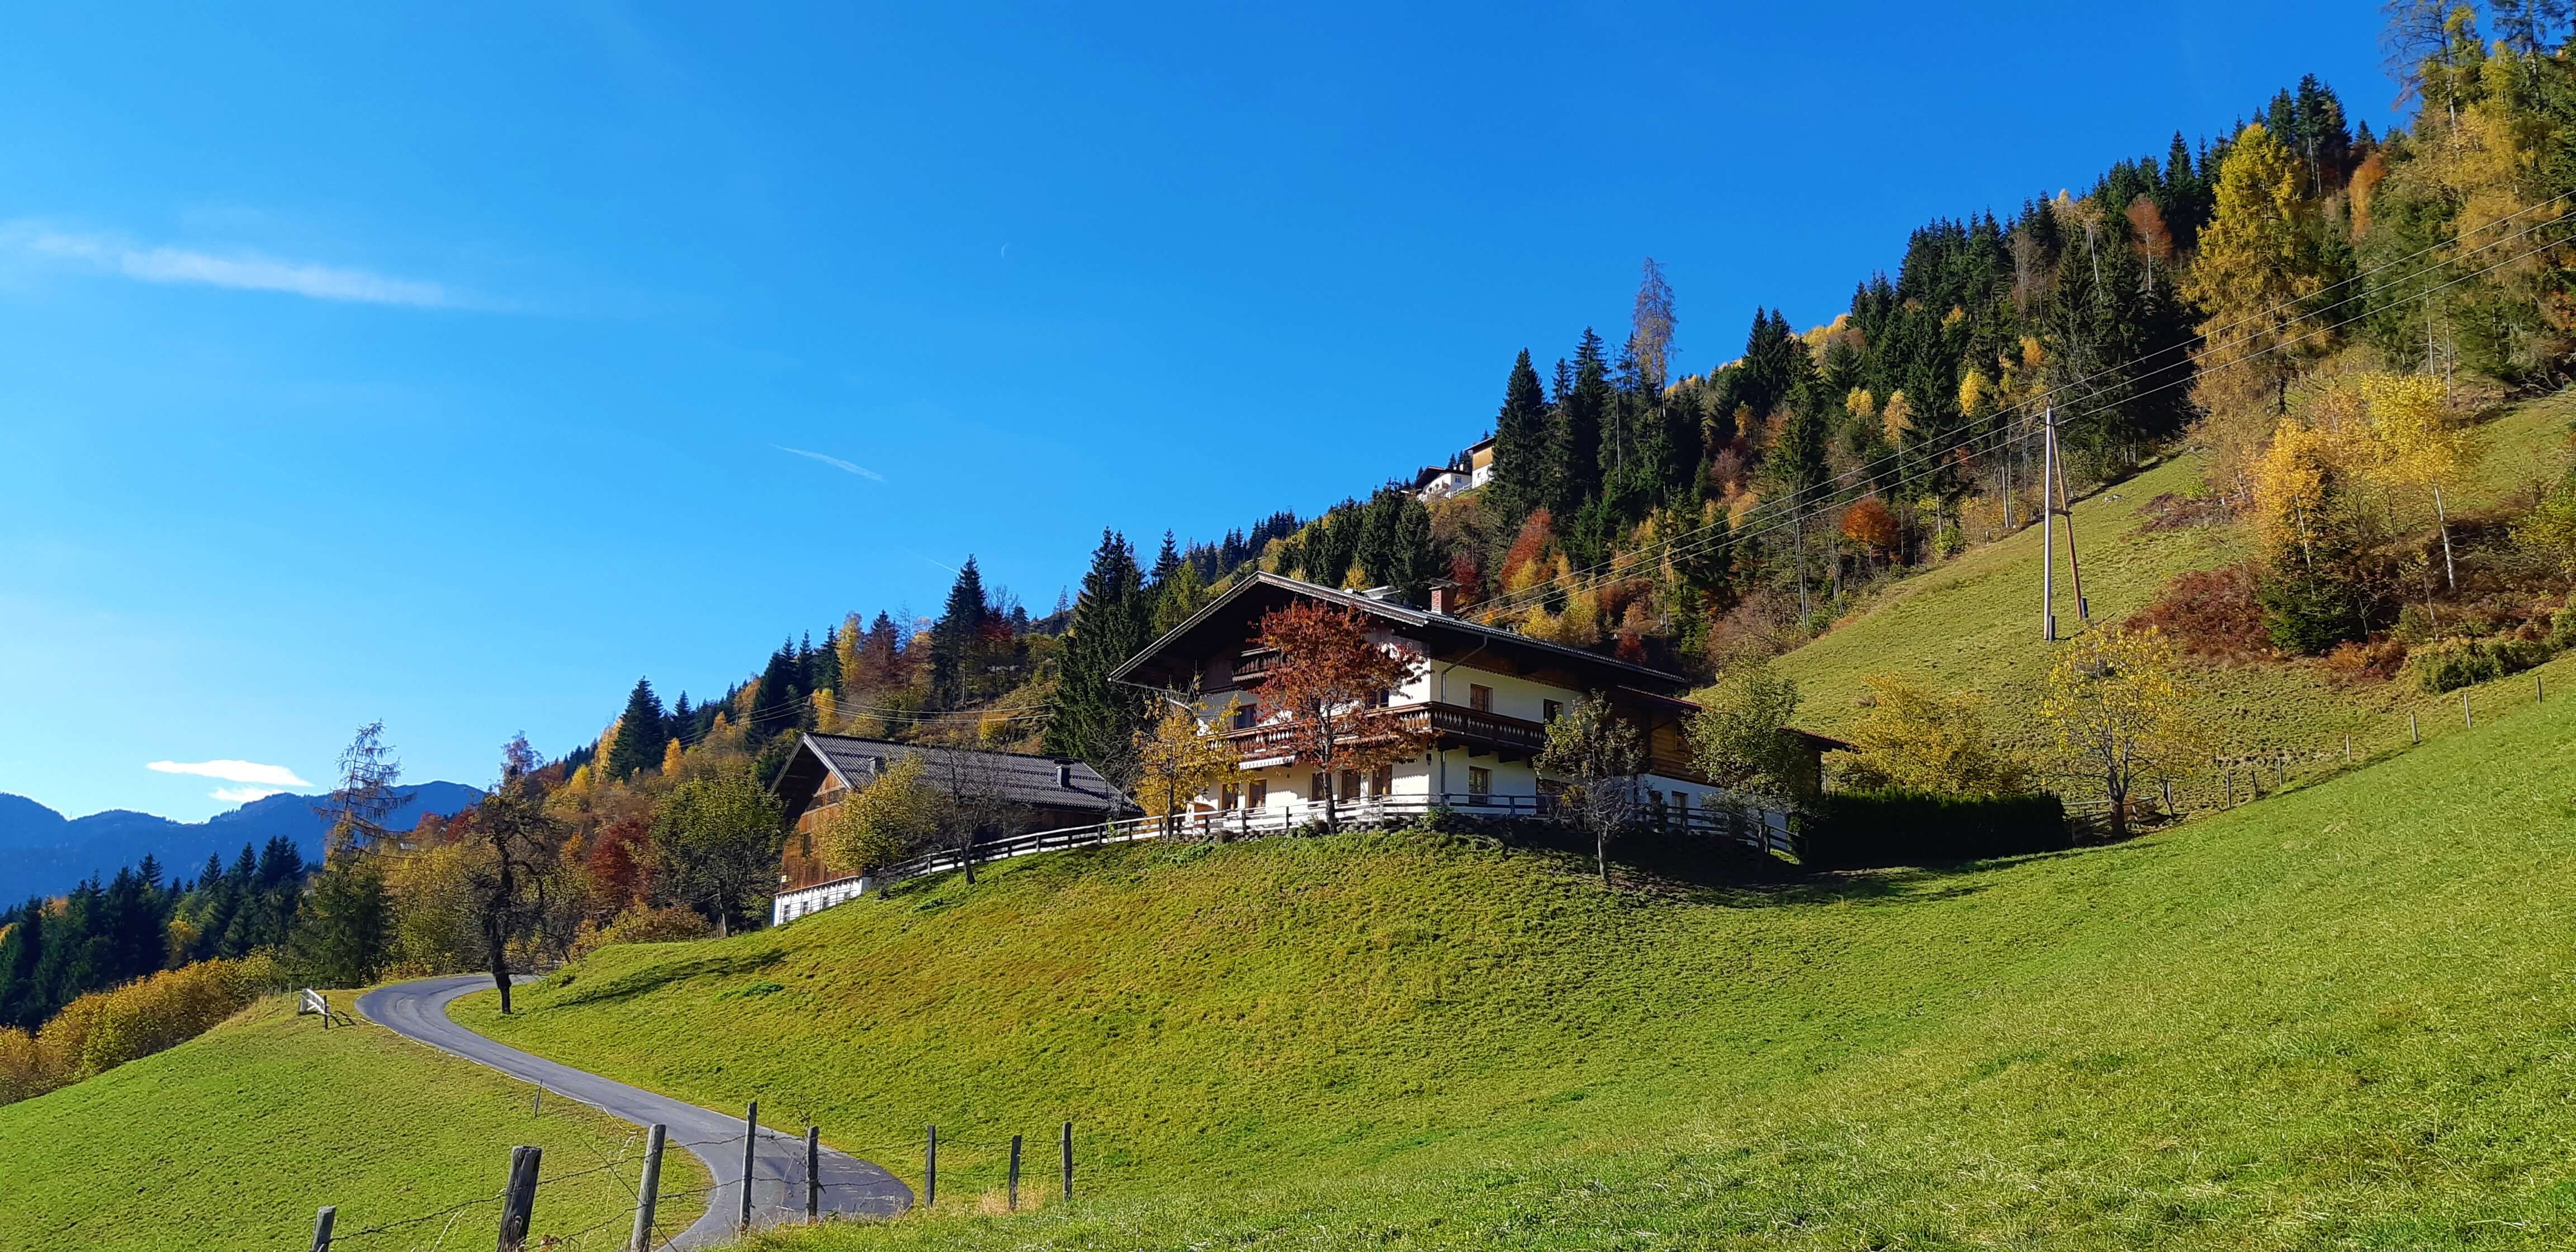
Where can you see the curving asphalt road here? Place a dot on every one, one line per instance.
(851, 1187)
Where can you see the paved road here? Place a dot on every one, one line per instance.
(418, 1010)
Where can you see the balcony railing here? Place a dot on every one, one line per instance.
(1475, 728)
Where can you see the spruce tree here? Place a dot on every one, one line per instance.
(956, 640)
(1574, 460)
(1520, 442)
(1091, 718)
(641, 733)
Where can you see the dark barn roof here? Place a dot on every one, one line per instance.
(1026, 779)
(1236, 614)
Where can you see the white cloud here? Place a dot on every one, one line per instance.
(241, 270)
(835, 462)
(243, 795)
(276, 776)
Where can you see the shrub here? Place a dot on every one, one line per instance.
(2453, 664)
(104, 1029)
(640, 925)
(2366, 662)
(2304, 614)
(1858, 829)
(2213, 614)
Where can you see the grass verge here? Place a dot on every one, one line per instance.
(235, 1138)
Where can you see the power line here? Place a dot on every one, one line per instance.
(1960, 438)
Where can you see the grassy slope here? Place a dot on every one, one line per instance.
(234, 1139)
(2341, 1017)
(1972, 624)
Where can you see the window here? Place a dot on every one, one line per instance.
(1227, 796)
(1350, 784)
(1256, 795)
(1382, 783)
(1555, 709)
(1319, 786)
(1480, 697)
(1380, 699)
(1247, 716)
(1480, 780)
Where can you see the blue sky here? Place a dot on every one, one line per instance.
(443, 366)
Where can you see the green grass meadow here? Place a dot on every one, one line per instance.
(2339, 1018)
(1972, 624)
(234, 1139)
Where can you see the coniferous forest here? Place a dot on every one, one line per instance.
(2326, 314)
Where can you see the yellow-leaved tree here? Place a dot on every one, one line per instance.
(671, 758)
(2259, 262)
(827, 711)
(2115, 702)
(1919, 739)
(890, 819)
(2420, 443)
(1176, 762)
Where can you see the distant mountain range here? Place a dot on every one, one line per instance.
(44, 853)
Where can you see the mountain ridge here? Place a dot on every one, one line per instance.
(43, 852)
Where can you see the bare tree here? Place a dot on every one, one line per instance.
(973, 784)
(1598, 754)
(356, 809)
(520, 839)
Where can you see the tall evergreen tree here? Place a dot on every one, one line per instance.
(1091, 718)
(957, 640)
(1574, 453)
(641, 733)
(1521, 454)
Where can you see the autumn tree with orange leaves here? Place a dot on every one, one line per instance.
(1332, 681)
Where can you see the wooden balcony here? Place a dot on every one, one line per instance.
(1452, 726)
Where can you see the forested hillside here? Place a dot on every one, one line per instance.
(2312, 328)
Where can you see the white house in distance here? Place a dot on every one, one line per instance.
(1467, 471)
(1485, 692)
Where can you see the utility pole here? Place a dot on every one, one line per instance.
(2048, 531)
(2066, 508)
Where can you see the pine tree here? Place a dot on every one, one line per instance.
(344, 937)
(641, 733)
(1574, 449)
(1417, 561)
(1521, 453)
(1091, 718)
(1168, 560)
(956, 641)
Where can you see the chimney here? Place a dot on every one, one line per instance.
(1440, 598)
(1064, 775)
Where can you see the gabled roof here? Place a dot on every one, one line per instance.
(1027, 779)
(1457, 633)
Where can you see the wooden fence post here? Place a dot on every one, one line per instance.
(2539, 690)
(1015, 1173)
(2414, 728)
(2467, 718)
(2347, 745)
(930, 1171)
(1068, 1161)
(650, 1191)
(750, 1151)
(519, 1198)
(2168, 789)
(322, 1227)
(813, 1174)
(2227, 781)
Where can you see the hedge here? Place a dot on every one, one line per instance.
(1860, 829)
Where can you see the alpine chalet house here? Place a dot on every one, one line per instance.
(1047, 793)
(1485, 694)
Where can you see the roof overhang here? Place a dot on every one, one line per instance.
(1263, 591)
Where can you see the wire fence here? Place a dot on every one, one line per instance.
(791, 1179)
